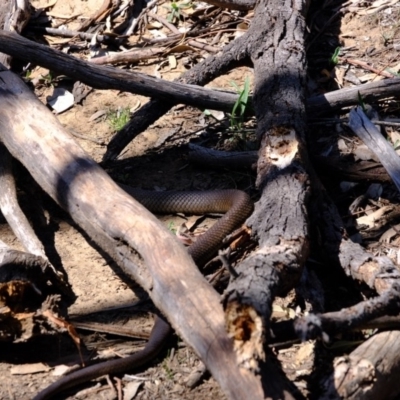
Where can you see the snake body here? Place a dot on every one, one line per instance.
(236, 205)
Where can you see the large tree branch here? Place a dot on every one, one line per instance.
(136, 240)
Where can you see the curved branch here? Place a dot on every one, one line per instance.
(232, 55)
(233, 4)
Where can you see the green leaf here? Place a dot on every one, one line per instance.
(335, 56)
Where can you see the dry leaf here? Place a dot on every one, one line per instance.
(172, 62)
(56, 40)
(369, 220)
(157, 34)
(97, 115)
(45, 5)
(130, 390)
(136, 106)
(339, 74)
(370, 77)
(29, 369)
(69, 328)
(62, 369)
(218, 115)
(377, 6)
(362, 152)
(184, 235)
(154, 25)
(395, 138)
(241, 29)
(342, 146)
(180, 48)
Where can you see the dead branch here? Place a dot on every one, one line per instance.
(357, 377)
(221, 159)
(14, 15)
(280, 221)
(28, 286)
(378, 273)
(11, 210)
(28, 280)
(331, 101)
(367, 132)
(101, 77)
(17, 17)
(123, 229)
(369, 372)
(329, 324)
(131, 56)
(68, 33)
(233, 4)
(106, 8)
(231, 56)
(347, 97)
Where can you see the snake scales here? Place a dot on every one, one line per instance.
(236, 205)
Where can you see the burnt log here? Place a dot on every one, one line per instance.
(280, 221)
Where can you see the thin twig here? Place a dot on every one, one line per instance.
(80, 136)
(68, 33)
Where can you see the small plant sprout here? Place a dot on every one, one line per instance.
(171, 227)
(175, 10)
(335, 57)
(240, 107)
(118, 118)
(396, 145)
(361, 102)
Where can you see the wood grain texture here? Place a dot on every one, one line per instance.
(101, 77)
(136, 240)
(370, 372)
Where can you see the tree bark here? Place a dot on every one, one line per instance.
(134, 238)
(280, 221)
(369, 92)
(232, 55)
(101, 77)
(369, 372)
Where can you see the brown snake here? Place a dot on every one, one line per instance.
(236, 205)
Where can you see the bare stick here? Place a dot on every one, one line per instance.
(18, 17)
(367, 132)
(110, 78)
(231, 56)
(346, 97)
(370, 372)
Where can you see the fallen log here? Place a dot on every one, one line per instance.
(28, 281)
(280, 220)
(130, 234)
(369, 372)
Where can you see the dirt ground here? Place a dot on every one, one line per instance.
(157, 159)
